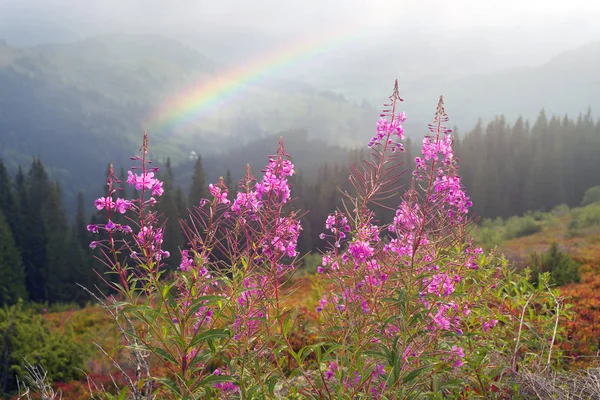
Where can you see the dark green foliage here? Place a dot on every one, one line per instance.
(509, 170)
(181, 203)
(33, 192)
(24, 335)
(79, 257)
(232, 186)
(51, 254)
(61, 273)
(8, 204)
(12, 273)
(562, 267)
(199, 187)
(169, 206)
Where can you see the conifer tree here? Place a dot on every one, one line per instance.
(61, 277)
(181, 203)
(199, 188)
(33, 192)
(12, 272)
(537, 177)
(231, 186)
(7, 200)
(80, 258)
(518, 167)
(169, 208)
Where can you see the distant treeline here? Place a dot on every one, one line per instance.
(508, 170)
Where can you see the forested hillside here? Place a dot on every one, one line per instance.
(507, 169)
(97, 95)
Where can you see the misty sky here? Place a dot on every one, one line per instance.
(507, 33)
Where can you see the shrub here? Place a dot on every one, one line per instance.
(310, 263)
(585, 217)
(592, 195)
(517, 227)
(25, 338)
(490, 233)
(561, 210)
(562, 267)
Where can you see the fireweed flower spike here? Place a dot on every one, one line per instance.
(140, 237)
(242, 249)
(412, 285)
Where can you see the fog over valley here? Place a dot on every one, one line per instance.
(213, 76)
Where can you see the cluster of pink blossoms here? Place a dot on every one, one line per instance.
(274, 181)
(246, 203)
(439, 146)
(145, 181)
(273, 186)
(148, 240)
(406, 228)
(225, 387)
(447, 186)
(338, 224)
(219, 192)
(119, 205)
(362, 247)
(389, 131)
(187, 263)
(272, 189)
(284, 239)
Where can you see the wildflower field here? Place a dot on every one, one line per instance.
(411, 307)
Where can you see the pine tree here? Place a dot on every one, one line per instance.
(7, 200)
(538, 177)
(199, 189)
(61, 277)
(231, 187)
(12, 272)
(473, 157)
(33, 192)
(181, 203)
(80, 257)
(518, 167)
(495, 168)
(169, 208)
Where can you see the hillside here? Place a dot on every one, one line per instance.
(99, 94)
(577, 233)
(566, 83)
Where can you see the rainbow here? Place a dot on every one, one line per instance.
(194, 102)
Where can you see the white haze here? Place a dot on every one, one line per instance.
(409, 39)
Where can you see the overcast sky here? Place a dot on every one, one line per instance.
(521, 32)
(293, 14)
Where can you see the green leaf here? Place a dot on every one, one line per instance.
(170, 385)
(215, 379)
(415, 373)
(211, 334)
(162, 353)
(200, 302)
